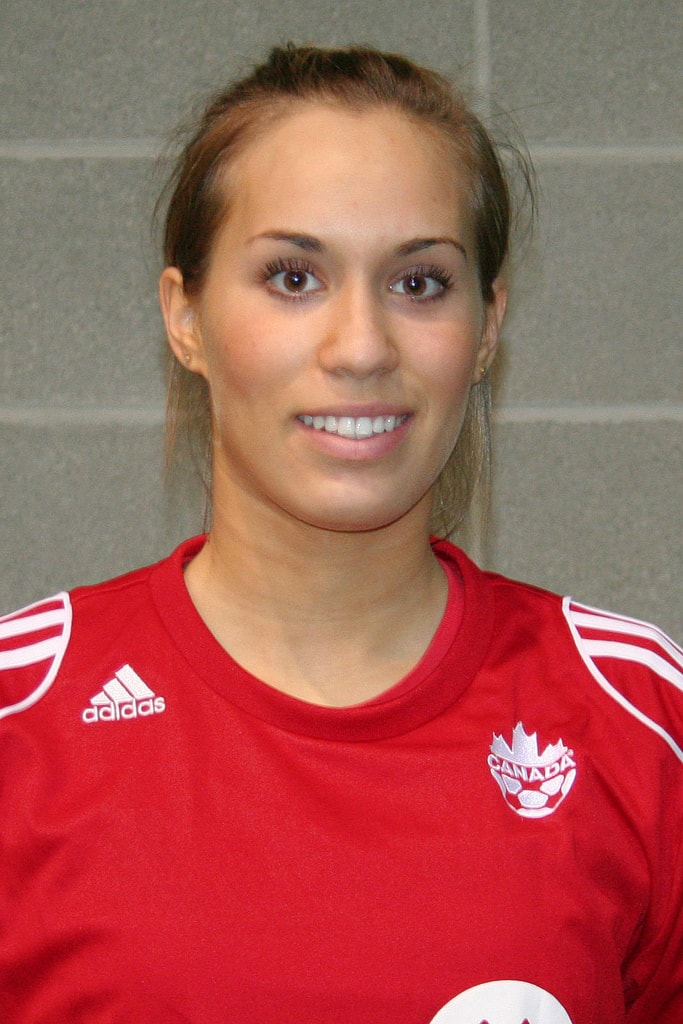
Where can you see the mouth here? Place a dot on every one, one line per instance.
(357, 428)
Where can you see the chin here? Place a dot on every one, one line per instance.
(360, 520)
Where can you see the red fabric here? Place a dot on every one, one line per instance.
(221, 852)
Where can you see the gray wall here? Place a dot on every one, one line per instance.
(588, 474)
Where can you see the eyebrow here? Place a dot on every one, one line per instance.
(308, 243)
(416, 244)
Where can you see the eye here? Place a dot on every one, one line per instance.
(292, 278)
(422, 283)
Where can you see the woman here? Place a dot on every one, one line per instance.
(316, 766)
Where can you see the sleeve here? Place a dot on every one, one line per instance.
(641, 669)
(654, 977)
(33, 642)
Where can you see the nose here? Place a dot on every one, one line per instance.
(357, 339)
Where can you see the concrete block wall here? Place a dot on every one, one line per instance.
(588, 476)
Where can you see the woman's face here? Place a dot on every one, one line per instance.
(340, 325)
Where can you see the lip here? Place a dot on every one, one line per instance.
(367, 449)
(356, 411)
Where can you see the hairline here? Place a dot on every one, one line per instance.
(269, 112)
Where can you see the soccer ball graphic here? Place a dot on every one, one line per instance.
(533, 784)
(503, 1002)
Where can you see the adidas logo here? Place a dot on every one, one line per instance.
(123, 697)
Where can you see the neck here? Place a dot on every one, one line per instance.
(329, 617)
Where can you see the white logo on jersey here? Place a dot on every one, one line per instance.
(503, 1002)
(534, 785)
(123, 697)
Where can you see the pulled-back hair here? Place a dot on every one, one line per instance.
(356, 78)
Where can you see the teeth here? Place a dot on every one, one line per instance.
(354, 426)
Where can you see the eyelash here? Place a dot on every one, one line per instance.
(433, 271)
(287, 266)
(292, 265)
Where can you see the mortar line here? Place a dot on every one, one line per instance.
(622, 154)
(81, 149)
(153, 415)
(151, 148)
(591, 414)
(482, 56)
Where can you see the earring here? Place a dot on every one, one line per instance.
(482, 371)
(188, 358)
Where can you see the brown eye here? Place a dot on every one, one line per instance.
(415, 285)
(427, 284)
(294, 280)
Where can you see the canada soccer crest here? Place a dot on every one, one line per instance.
(533, 783)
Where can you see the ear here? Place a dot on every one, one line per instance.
(180, 318)
(494, 312)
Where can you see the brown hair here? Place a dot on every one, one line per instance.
(360, 78)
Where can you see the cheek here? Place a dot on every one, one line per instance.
(239, 358)
(450, 363)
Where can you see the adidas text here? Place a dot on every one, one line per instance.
(116, 712)
(123, 697)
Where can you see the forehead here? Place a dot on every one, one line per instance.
(375, 169)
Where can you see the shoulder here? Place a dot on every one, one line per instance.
(636, 664)
(72, 631)
(628, 668)
(33, 641)
(561, 649)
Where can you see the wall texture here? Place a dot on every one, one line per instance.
(588, 483)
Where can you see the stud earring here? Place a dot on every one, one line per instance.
(188, 358)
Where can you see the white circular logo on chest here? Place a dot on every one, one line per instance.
(503, 1002)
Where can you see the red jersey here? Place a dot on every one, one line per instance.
(495, 841)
